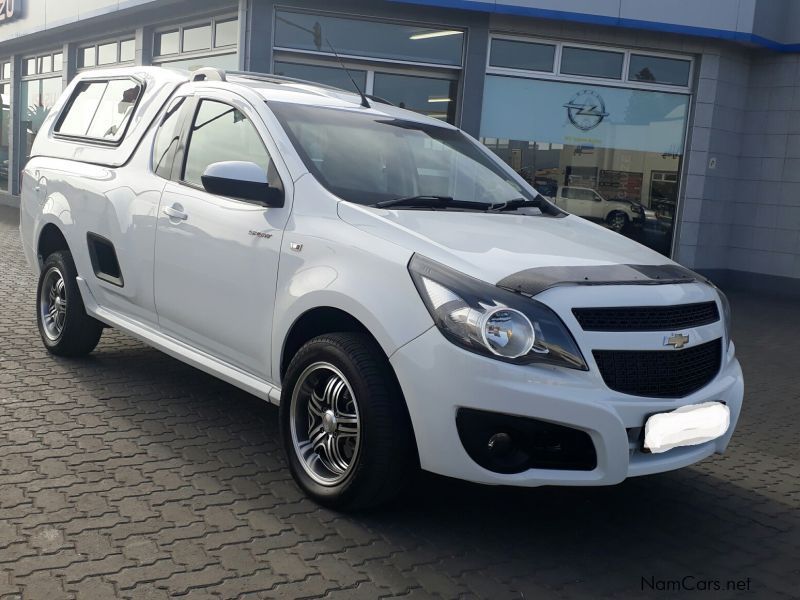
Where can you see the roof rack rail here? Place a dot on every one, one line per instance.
(208, 74)
(214, 74)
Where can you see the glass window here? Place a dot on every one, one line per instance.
(332, 76)
(522, 55)
(5, 124)
(37, 97)
(107, 54)
(197, 38)
(591, 63)
(6, 74)
(167, 139)
(427, 95)
(220, 133)
(669, 71)
(227, 33)
(46, 64)
(167, 43)
(367, 158)
(224, 61)
(115, 110)
(127, 51)
(86, 57)
(30, 66)
(608, 154)
(368, 38)
(575, 193)
(58, 61)
(82, 107)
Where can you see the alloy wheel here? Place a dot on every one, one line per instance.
(53, 303)
(325, 423)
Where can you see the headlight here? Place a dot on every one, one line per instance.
(492, 321)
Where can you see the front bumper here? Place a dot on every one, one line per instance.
(438, 378)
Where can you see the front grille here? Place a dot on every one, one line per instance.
(660, 373)
(647, 318)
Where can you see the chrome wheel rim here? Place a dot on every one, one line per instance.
(325, 423)
(618, 222)
(53, 303)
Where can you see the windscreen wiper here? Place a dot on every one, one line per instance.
(515, 204)
(539, 202)
(429, 201)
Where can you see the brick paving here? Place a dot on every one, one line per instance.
(131, 475)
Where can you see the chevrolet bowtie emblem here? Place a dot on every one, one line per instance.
(676, 340)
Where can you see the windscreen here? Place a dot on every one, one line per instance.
(368, 158)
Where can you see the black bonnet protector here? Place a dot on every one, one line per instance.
(534, 281)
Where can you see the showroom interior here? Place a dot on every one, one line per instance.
(679, 115)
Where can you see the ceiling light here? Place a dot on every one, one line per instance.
(433, 99)
(434, 34)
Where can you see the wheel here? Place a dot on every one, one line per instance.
(617, 221)
(344, 425)
(65, 327)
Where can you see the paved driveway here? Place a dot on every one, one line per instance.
(128, 474)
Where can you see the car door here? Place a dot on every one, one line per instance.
(216, 258)
(575, 201)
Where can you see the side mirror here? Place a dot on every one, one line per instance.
(241, 180)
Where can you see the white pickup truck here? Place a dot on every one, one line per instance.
(587, 203)
(403, 295)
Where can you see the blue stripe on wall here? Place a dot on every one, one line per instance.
(560, 15)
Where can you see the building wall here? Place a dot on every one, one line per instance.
(765, 229)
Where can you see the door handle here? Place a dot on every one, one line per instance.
(174, 213)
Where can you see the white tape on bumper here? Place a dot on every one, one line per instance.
(686, 426)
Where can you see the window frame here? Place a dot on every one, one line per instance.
(214, 50)
(94, 140)
(37, 58)
(556, 75)
(182, 154)
(370, 19)
(95, 45)
(188, 106)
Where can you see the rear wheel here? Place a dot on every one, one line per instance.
(64, 326)
(617, 221)
(345, 429)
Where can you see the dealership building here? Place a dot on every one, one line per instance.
(689, 108)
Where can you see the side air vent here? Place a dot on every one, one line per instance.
(104, 259)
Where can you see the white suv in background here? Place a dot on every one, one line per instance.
(403, 296)
(587, 203)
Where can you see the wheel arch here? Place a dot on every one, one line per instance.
(321, 320)
(315, 322)
(51, 239)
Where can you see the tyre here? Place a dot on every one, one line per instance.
(65, 327)
(617, 221)
(344, 425)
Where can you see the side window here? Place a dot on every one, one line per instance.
(167, 139)
(100, 110)
(219, 133)
(115, 110)
(81, 109)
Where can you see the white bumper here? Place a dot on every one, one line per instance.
(438, 378)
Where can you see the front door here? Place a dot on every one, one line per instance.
(216, 257)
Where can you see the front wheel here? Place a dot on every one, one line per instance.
(617, 221)
(345, 430)
(65, 327)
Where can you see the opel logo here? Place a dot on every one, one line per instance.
(676, 340)
(586, 110)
